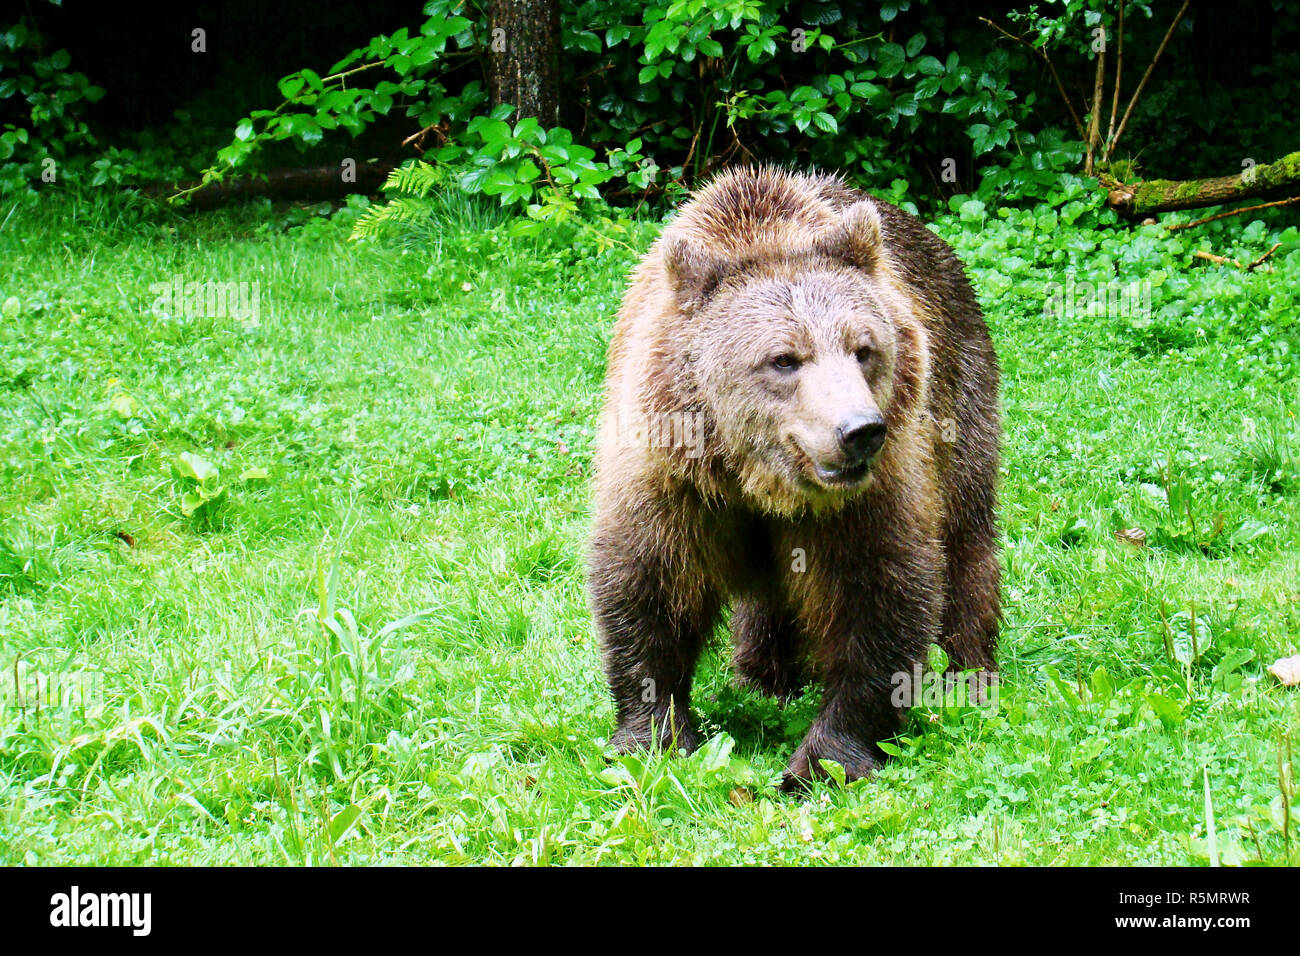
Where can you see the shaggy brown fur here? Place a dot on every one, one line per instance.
(781, 327)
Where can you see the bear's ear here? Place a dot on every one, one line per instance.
(856, 239)
(692, 270)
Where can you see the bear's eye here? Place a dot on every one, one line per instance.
(785, 362)
(863, 354)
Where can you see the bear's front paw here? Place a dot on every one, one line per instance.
(806, 764)
(658, 733)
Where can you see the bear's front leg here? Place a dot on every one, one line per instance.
(874, 620)
(855, 715)
(652, 612)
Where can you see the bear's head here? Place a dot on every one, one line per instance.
(805, 358)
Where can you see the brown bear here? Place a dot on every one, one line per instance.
(801, 420)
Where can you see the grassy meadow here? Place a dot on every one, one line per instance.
(321, 566)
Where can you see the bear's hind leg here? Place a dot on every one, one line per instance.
(765, 649)
(972, 599)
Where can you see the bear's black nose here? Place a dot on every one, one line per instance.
(861, 437)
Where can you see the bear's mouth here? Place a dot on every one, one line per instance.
(845, 476)
(829, 476)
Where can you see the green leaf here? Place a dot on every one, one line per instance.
(715, 755)
(930, 66)
(1103, 688)
(1170, 714)
(1192, 637)
(190, 465)
(527, 171)
(889, 60)
(1232, 661)
(1065, 689)
(290, 85)
(1249, 530)
(826, 123)
(616, 775)
(1074, 530)
(342, 823)
(306, 128)
(835, 771)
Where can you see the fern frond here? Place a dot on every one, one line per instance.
(378, 220)
(416, 178)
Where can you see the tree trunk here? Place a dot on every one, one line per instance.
(524, 57)
(1165, 195)
(308, 183)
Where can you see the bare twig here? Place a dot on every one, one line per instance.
(1257, 262)
(598, 70)
(1094, 118)
(695, 141)
(1119, 74)
(1225, 261)
(1217, 260)
(1147, 75)
(420, 134)
(1233, 212)
(1056, 77)
(744, 150)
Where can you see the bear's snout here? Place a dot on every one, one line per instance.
(860, 437)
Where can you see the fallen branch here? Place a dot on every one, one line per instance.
(1257, 262)
(1233, 212)
(418, 136)
(1139, 200)
(1217, 260)
(308, 183)
(1225, 261)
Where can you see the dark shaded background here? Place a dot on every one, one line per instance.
(1228, 89)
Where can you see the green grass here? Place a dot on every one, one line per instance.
(424, 413)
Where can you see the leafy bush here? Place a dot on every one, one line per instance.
(40, 104)
(670, 91)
